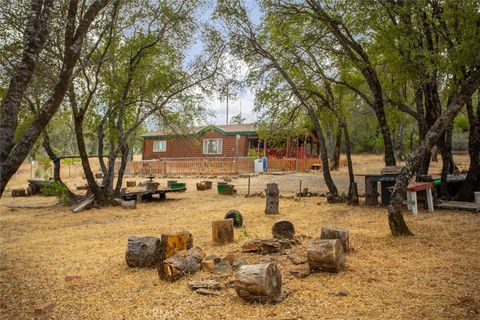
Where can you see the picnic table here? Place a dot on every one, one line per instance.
(147, 195)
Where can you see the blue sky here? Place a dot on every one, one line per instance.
(244, 101)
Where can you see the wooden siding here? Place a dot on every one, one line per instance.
(183, 147)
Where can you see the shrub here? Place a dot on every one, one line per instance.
(56, 189)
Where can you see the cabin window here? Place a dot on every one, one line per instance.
(212, 146)
(159, 146)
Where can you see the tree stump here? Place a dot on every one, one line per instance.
(143, 252)
(259, 282)
(180, 264)
(152, 186)
(132, 204)
(131, 184)
(236, 216)
(283, 229)
(335, 233)
(175, 242)
(371, 192)
(222, 231)
(20, 192)
(326, 255)
(202, 186)
(272, 193)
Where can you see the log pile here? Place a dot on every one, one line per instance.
(259, 282)
(143, 252)
(180, 264)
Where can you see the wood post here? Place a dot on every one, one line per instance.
(222, 231)
(248, 190)
(181, 263)
(283, 229)
(335, 233)
(175, 242)
(259, 282)
(326, 255)
(371, 193)
(272, 194)
(143, 252)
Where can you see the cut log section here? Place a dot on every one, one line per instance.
(326, 255)
(283, 229)
(131, 184)
(222, 231)
(175, 242)
(264, 246)
(259, 282)
(236, 216)
(272, 193)
(180, 264)
(143, 252)
(335, 233)
(132, 204)
(20, 192)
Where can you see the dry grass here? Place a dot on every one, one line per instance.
(435, 274)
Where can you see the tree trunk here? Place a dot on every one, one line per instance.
(283, 229)
(73, 44)
(472, 180)
(337, 150)
(396, 222)
(272, 194)
(326, 255)
(181, 263)
(34, 37)
(222, 231)
(259, 282)
(335, 233)
(143, 252)
(175, 242)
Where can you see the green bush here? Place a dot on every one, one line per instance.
(56, 189)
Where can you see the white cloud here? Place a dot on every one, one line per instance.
(245, 102)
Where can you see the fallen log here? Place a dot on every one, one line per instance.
(326, 255)
(84, 204)
(283, 229)
(335, 233)
(180, 264)
(222, 231)
(259, 282)
(265, 246)
(143, 252)
(175, 242)
(204, 284)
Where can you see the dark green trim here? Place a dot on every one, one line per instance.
(204, 131)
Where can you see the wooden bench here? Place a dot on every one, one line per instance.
(412, 189)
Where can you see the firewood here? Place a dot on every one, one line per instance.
(222, 231)
(175, 242)
(264, 246)
(272, 193)
(259, 282)
(283, 229)
(180, 264)
(20, 192)
(326, 255)
(335, 233)
(143, 252)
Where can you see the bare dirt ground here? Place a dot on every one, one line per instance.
(433, 275)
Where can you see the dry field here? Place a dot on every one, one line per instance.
(433, 275)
